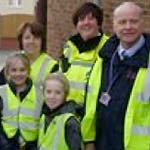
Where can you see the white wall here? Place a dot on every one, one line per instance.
(27, 7)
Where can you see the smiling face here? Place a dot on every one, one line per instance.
(127, 24)
(17, 72)
(88, 19)
(30, 43)
(54, 93)
(87, 27)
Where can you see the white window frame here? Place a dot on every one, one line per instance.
(15, 3)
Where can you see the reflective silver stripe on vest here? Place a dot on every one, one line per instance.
(29, 112)
(145, 95)
(42, 70)
(58, 130)
(13, 123)
(79, 85)
(34, 113)
(42, 148)
(7, 112)
(68, 51)
(29, 125)
(82, 63)
(37, 111)
(140, 130)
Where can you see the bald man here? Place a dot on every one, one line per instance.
(123, 110)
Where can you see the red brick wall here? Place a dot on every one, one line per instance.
(108, 7)
(60, 25)
(59, 21)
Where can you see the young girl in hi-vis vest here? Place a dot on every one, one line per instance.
(59, 128)
(20, 106)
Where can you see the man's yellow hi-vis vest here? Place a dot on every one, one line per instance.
(137, 117)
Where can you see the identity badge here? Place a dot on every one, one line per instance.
(105, 98)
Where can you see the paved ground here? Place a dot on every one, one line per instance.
(3, 55)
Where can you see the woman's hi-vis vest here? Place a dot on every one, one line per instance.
(41, 67)
(54, 137)
(88, 128)
(79, 71)
(23, 115)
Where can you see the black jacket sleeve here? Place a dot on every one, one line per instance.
(1, 106)
(4, 143)
(2, 77)
(73, 134)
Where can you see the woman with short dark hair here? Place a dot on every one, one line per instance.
(80, 54)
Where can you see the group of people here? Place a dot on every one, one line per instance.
(97, 98)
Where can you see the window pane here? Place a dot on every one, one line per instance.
(15, 2)
(11, 2)
(19, 2)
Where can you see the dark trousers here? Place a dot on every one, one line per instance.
(8, 144)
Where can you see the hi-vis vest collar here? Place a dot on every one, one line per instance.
(72, 52)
